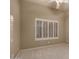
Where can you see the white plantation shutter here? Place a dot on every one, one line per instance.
(51, 29)
(39, 29)
(55, 29)
(46, 29)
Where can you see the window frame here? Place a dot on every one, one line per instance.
(47, 38)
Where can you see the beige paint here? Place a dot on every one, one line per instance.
(45, 2)
(15, 27)
(67, 27)
(52, 3)
(67, 30)
(30, 11)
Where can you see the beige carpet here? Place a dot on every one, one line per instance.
(56, 51)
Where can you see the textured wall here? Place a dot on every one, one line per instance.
(67, 27)
(30, 11)
(67, 30)
(15, 27)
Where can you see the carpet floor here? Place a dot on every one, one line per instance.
(56, 51)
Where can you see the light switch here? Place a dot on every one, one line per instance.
(11, 18)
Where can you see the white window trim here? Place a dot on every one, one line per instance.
(47, 38)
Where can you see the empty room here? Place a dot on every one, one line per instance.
(39, 29)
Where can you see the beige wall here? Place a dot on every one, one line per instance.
(67, 27)
(15, 27)
(67, 30)
(30, 11)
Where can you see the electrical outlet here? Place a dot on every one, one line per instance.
(11, 40)
(11, 18)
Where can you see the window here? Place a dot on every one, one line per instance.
(46, 29)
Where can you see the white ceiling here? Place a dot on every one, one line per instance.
(50, 3)
(46, 2)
